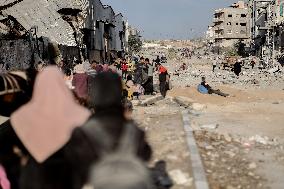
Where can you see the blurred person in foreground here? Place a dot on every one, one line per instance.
(68, 163)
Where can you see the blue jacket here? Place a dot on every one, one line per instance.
(202, 89)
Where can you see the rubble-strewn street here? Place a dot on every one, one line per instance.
(102, 94)
(163, 123)
(240, 137)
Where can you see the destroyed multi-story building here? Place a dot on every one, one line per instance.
(82, 29)
(263, 28)
(267, 39)
(231, 24)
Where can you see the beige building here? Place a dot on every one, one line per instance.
(231, 24)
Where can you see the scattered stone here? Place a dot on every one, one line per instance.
(252, 166)
(209, 171)
(229, 153)
(181, 178)
(151, 100)
(198, 107)
(251, 174)
(230, 187)
(209, 147)
(259, 139)
(172, 157)
(209, 126)
(183, 101)
(227, 137)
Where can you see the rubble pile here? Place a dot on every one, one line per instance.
(225, 162)
(257, 77)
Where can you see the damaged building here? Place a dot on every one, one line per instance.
(81, 29)
(231, 24)
(267, 20)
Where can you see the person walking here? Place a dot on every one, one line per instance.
(158, 60)
(163, 79)
(149, 86)
(237, 68)
(124, 69)
(252, 63)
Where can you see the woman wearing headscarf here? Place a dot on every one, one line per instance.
(44, 125)
(163, 74)
(54, 166)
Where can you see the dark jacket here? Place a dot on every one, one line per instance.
(69, 167)
(8, 159)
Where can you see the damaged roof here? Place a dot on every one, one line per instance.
(43, 15)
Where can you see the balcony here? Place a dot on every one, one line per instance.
(219, 12)
(219, 19)
(219, 28)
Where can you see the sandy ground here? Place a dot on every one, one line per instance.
(246, 112)
(164, 126)
(249, 111)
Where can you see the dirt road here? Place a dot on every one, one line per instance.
(164, 126)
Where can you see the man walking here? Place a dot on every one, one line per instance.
(148, 86)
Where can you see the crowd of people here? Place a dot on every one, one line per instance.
(73, 127)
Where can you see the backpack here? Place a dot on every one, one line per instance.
(120, 169)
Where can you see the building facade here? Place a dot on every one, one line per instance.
(231, 24)
(89, 28)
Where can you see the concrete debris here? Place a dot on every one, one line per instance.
(229, 153)
(252, 166)
(151, 100)
(209, 126)
(273, 70)
(228, 138)
(198, 107)
(209, 147)
(258, 77)
(260, 139)
(172, 157)
(226, 165)
(183, 101)
(181, 178)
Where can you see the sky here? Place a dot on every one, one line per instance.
(169, 19)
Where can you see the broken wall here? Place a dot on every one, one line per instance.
(15, 54)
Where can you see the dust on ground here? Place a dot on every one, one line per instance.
(253, 120)
(164, 126)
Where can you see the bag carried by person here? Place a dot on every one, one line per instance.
(120, 169)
